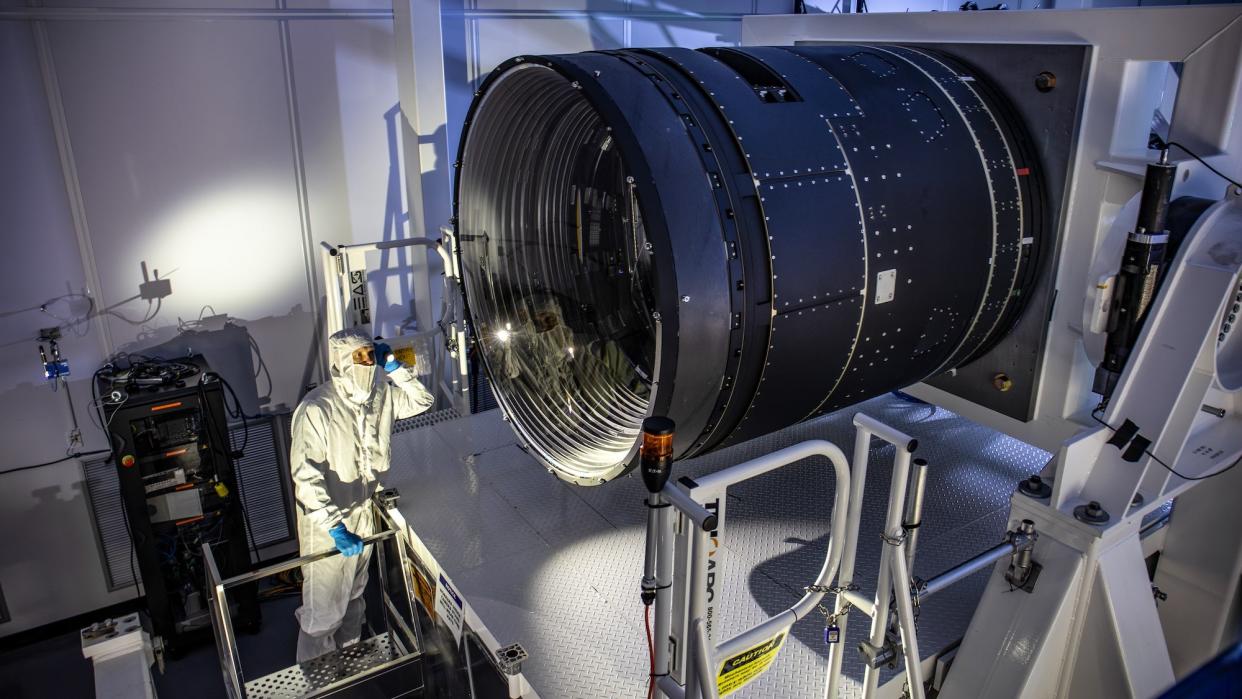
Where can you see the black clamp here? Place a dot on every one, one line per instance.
(387, 498)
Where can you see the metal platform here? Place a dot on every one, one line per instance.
(320, 673)
(557, 567)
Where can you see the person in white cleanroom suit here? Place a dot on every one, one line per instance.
(341, 434)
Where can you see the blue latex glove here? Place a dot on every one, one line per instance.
(347, 542)
(382, 354)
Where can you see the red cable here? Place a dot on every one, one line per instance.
(650, 651)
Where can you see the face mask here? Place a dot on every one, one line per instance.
(361, 380)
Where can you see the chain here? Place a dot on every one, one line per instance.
(915, 587)
(894, 540)
(829, 617)
(831, 589)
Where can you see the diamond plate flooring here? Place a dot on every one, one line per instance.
(557, 567)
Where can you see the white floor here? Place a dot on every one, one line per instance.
(557, 567)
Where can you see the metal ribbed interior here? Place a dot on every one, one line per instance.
(557, 273)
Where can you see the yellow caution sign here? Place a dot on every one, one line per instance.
(737, 671)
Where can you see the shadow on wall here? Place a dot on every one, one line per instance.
(392, 298)
(29, 586)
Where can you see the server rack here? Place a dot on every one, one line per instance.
(178, 486)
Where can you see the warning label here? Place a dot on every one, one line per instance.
(737, 671)
(449, 607)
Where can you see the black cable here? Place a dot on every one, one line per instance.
(105, 427)
(133, 546)
(1167, 467)
(75, 455)
(237, 471)
(1161, 144)
(254, 345)
(1219, 174)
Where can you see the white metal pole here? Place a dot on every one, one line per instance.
(703, 660)
(664, 587)
(905, 617)
(913, 518)
(862, 449)
(884, 585)
(698, 582)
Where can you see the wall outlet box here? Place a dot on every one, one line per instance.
(155, 289)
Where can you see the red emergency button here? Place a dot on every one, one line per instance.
(127, 460)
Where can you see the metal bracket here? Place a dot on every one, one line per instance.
(886, 655)
(1026, 582)
(1023, 570)
(387, 498)
(509, 659)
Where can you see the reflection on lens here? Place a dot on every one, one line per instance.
(557, 272)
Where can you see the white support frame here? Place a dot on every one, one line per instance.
(347, 304)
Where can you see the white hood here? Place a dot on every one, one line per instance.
(354, 381)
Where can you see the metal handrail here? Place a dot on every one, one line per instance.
(281, 567)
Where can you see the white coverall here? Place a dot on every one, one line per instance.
(341, 433)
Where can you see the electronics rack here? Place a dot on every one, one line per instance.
(167, 422)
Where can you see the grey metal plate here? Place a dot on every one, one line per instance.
(557, 567)
(305, 678)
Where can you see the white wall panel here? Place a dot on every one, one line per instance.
(163, 4)
(56, 567)
(498, 39)
(347, 99)
(546, 5)
(692, 33)
(339, 4)
(181, 135)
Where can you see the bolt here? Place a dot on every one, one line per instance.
(1035, 487)
(1045, 81)
(1213, 410)
(685, 299)
(1002, 382)
(655, 315)
(1091, 513)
